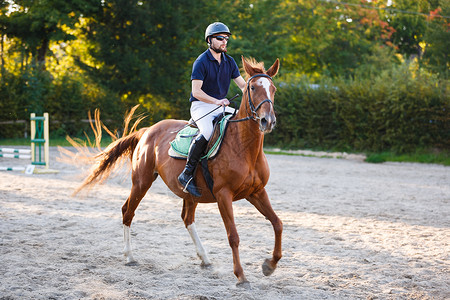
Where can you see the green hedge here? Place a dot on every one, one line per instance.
(65, 98)
(400, 110)
(68, 99)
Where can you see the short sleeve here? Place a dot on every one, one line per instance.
(234, 69)
(198, 70)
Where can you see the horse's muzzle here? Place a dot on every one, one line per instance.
(267, 123)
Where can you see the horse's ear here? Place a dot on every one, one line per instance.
(247, 67)
(273, 70)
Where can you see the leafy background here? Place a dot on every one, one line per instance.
(355, 75)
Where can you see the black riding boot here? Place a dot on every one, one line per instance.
(186, 178)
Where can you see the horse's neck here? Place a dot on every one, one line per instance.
(249, 138)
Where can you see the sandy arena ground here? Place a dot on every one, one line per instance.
(352, 230)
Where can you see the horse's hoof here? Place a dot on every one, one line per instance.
(205, 266)
(132, 263)
(244, 284)
(267, 268)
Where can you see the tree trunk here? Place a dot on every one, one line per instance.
(1, 57)
(41, 53)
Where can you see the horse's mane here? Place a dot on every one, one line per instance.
(258, 67)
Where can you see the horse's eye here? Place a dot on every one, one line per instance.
(252, 88)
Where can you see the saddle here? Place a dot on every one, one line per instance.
(179, 147)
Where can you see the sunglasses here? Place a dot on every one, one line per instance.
(221, 37)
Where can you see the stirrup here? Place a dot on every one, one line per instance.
(185, 187)
(191, 188)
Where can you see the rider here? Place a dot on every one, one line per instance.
(211, 75)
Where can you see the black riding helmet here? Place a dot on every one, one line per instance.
(215, 28)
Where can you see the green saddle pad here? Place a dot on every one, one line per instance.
(183, 140)
(179, 147)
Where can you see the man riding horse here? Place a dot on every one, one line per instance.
(242, 171)
(211, 75)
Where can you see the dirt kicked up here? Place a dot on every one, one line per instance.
(352, 230)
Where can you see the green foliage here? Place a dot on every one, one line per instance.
(37, 23)
(437, 37)
(420, 155)
(401, 109)
(305, 115)
(64, 98)
(144, 50)
(332, 40)
(248, 20)
(409, 29)
(71, 57)
(21, 95)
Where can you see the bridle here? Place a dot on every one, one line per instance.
(253, 110)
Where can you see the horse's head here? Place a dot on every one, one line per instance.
(260, 92)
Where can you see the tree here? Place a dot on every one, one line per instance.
(144, 52)
(258, 29)
(3, 10)
(409, 28)
(37, 23)
(437, 38)
(332, 38)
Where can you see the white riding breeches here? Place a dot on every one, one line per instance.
(200, 109)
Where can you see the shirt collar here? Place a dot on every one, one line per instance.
(211, 57)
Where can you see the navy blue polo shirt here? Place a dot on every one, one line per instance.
(216, 78)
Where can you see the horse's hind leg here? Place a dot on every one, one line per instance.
(127, 249)
(261, 201)
(140, 186)
(188, 216)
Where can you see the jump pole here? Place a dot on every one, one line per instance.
(20, 169)
(15, 153)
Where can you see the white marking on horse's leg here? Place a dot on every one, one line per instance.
(198, 244)
(127, 240)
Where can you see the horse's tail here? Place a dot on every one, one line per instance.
(106, 160)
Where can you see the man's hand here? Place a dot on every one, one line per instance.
(223, 102)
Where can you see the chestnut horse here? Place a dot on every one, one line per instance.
(240, 170)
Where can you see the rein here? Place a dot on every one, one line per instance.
(254, 116)
(194, 121)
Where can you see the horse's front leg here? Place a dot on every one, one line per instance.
(261, 201)
(226, 211)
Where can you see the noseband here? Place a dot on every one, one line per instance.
(254, 116)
